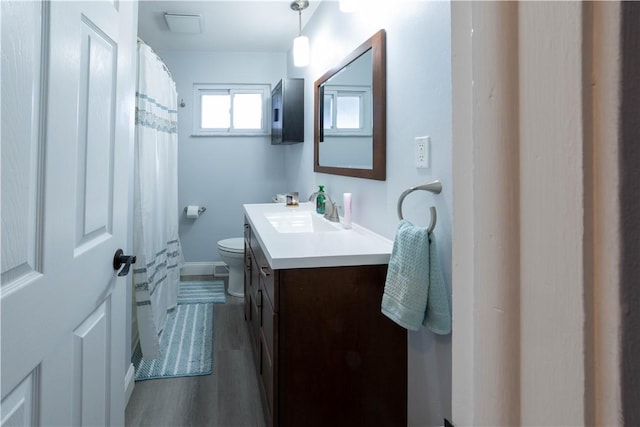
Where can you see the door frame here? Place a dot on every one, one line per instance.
(511, 365)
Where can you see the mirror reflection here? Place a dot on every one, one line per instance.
(347, 139)
(350, 128)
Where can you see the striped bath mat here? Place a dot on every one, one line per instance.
(201, 292)
(186, 345)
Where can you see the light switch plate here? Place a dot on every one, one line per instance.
(423, 146)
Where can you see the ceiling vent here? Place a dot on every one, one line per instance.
(184, 23)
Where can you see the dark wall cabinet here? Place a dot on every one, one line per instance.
(287, 112)
(324, 353)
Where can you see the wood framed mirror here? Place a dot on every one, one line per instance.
(350, 129)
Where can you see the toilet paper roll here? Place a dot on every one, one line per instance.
(193, 211)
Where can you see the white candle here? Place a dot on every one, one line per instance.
(346, 198)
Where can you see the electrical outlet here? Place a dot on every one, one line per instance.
(422, 151)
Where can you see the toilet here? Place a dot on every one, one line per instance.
(232, 253)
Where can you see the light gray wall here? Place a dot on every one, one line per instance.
(418, 104)
(222, 173)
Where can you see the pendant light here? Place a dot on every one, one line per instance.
(300, 43)
(349, 6)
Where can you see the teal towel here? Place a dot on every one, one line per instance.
(413, 278)
(437, 315)
(405, 291)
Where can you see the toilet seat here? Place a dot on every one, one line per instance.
(234, 245)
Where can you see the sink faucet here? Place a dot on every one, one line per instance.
(330, 209)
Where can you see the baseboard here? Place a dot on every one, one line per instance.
(196, 269)
(220, 269)
(213, 268)
(129, 383)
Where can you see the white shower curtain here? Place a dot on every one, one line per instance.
(156, 274)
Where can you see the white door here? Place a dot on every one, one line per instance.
(68, 82)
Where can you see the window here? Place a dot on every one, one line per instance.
(230, 109)
(347, 110)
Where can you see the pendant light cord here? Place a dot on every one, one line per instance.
(299, 6)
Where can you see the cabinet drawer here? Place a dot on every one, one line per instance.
(247, 284)
(267, 279)
(255, 274)
(254, 244)
(258, 261)
(268, 325)
(255, 319)
(248, 260)
(266, 374)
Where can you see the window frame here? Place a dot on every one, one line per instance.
(200, 89)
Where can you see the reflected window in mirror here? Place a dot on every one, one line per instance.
(350, 116)
(347, 111)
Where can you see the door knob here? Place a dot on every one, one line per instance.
(119, 259)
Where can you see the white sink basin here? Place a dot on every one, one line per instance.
(279, 229)
(300, 222)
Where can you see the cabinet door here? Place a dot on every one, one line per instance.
(255, 318)
(340, 361)
(287, 112)
(268, 326)
(268, 352)
(247, 282)
(248, 257)
(258, 262)
(276, 114)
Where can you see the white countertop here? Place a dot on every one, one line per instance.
(356, 246)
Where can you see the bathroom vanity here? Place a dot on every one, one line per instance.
(324, 353)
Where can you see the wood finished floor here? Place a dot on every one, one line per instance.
(229, 397)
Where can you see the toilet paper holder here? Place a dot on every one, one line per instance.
(201, 209)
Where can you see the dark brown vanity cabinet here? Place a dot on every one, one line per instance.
(325, 354)
(287, 112)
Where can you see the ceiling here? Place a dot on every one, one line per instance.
(227, 25)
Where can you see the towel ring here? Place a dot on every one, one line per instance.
(434, 187)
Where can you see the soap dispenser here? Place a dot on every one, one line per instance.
(320, 200)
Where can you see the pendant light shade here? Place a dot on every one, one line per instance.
(348, 6)
(301, 51)
(300, 43)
